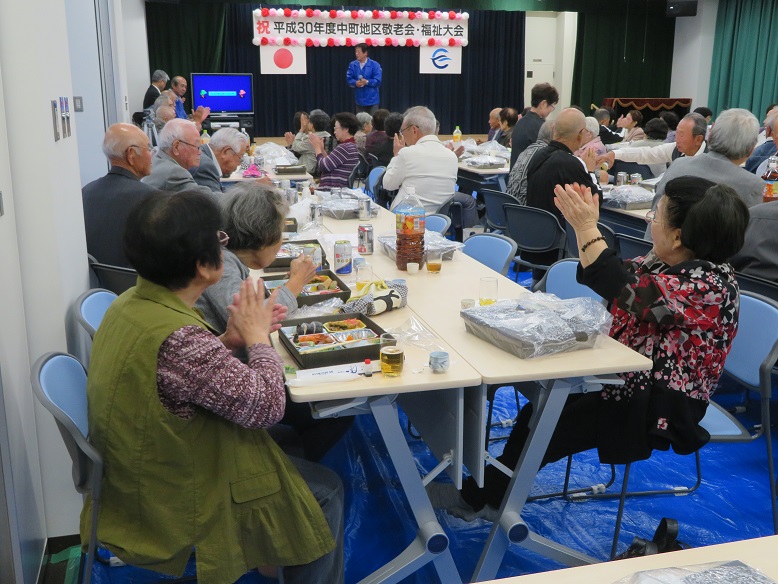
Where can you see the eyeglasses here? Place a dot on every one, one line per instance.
(406, 127)
(651, 217)
(224, 239)
(198, 146)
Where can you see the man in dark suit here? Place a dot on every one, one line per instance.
(220, 157)
(158, 81)
(109, 199)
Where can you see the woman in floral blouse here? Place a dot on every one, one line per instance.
(678, 306)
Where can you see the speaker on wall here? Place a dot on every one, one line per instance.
(681, 8)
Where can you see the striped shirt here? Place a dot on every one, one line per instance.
(336, 167)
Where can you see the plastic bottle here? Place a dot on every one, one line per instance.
(205, 138)
(770, 178)
(457, 136)
(410, 225)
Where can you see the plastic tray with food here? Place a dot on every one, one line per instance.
(310, 345)
(324, 285)
(290, 250)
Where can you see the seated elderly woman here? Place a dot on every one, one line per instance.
(508, 119)
(300, 126)
(591, 138)
(252, 216)
(631, 123)
(678, 306)
(365, 127)
(336, 167)
(180, 421)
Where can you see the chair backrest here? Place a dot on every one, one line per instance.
(359, 172)
(91, 307)
(534, 230)
(438, 222)
(495, 213)
(560, 280)
(117, 279)
(755, 347)
(59, 383)
(491, 249)
(757, 285)
(631, 247)
(372, 179)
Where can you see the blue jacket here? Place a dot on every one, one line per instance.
(367, 95)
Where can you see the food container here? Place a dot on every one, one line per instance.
(286, 254)
(366, 347)
(311, 294)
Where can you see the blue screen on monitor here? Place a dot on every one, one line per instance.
(229, 93)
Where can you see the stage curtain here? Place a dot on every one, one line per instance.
(492, 76)
(743, 70)
(628, 53)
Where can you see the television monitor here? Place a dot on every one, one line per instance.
(224, 93)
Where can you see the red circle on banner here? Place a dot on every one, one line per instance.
(263, 41)
(393, 14)
(330, 42)
(348, 42)
(369, 42)
(432, 14)
(265, 12)
(354, 14)
(308, 12)
(408, 42)
(308, 42)
(411, 16)
(431, 42)
(287, 12)
(287, 41)
(375, 14)
(452, 15)
(452, 42)
(333, 13)
(283, 58)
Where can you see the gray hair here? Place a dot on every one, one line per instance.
(546, 132)
(734, 134)
(422, 118)
(163, 99)
(115, 145)
(159, 75)
(229, 138)
(319, 119)
(601, 115)
(364, 118)
(771, 120)
(700, 127)
(593, 126)
(172, 131)
(253, 216)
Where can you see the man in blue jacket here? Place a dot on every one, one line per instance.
(364, 75)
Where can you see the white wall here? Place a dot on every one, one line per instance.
(692, 53)
(50, 238)
(566, 35)
(136, 61)
(549, 53)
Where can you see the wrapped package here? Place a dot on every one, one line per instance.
(629, 197)
(432, 241)
(275, 155)
(539, 324)
(486, 161)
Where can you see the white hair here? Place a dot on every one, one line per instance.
(118, 139)
(734, 134)
(422, 118)
(593, 125)
(364, 118)
(229, 138)
(172, 131)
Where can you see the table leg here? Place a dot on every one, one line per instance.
(510, 528)
(431, 542)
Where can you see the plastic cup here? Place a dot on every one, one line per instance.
(392, 355)
(487, 292)
(364, 275)
(434, 261)
(413, 268)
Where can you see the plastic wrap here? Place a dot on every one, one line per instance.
(629, 197)
(331, 306)
(345, 208)
(486, 161)
(414, 332)
(540, 324)
(733, 572)
(275, 154)
(432, 241)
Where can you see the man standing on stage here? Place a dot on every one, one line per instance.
(364, 75)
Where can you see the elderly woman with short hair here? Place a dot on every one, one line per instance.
(336, 167)
(365, 127)
(631, 123)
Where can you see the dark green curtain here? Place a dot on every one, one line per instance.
(745, 55)
(628, 53)
(183, 39)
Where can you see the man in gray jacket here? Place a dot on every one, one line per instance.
(220, 157)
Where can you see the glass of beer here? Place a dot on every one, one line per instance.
(364, 275)
(434, 260)
(487, 293)
(392, 355)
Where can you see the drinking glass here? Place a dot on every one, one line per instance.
(392, 355)
(364, 275)
(487, 292)
(434, 261)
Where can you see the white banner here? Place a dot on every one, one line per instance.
(383, 28)
(282, 60)
(440, 60)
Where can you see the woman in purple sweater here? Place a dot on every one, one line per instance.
(336, 167)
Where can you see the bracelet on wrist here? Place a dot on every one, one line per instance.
(588, 243)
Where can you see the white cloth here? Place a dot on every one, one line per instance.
(656, 155)
(429, 167)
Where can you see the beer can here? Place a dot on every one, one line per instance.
(622, 178)
(365, 239)
(316, 214)
(342, 256)
(635, 178)
(291, 196)
(364, 209)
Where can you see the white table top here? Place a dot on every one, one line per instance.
(485, 171)
(758, 553)
(237, 176)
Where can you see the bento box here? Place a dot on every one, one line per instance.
(334, 344)
(324, 286)
(291, 249)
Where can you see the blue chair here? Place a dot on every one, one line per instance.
(495, 214)
(536, 231)
(631, 247)
(438, 222)
(372, 180)
(491, 249)
(91, 307)
(117, 279)
(560, 280)
(358, 173)
(59, 383)
(757, 285)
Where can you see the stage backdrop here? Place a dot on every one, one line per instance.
(492, 67)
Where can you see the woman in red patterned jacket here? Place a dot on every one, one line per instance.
(678, 306)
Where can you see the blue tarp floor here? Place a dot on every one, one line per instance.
(733, 503)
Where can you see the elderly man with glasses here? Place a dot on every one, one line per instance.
(220, 157)
(178, 150)
(422, 161)
(109, 199)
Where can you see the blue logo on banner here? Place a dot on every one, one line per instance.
(440, 56)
